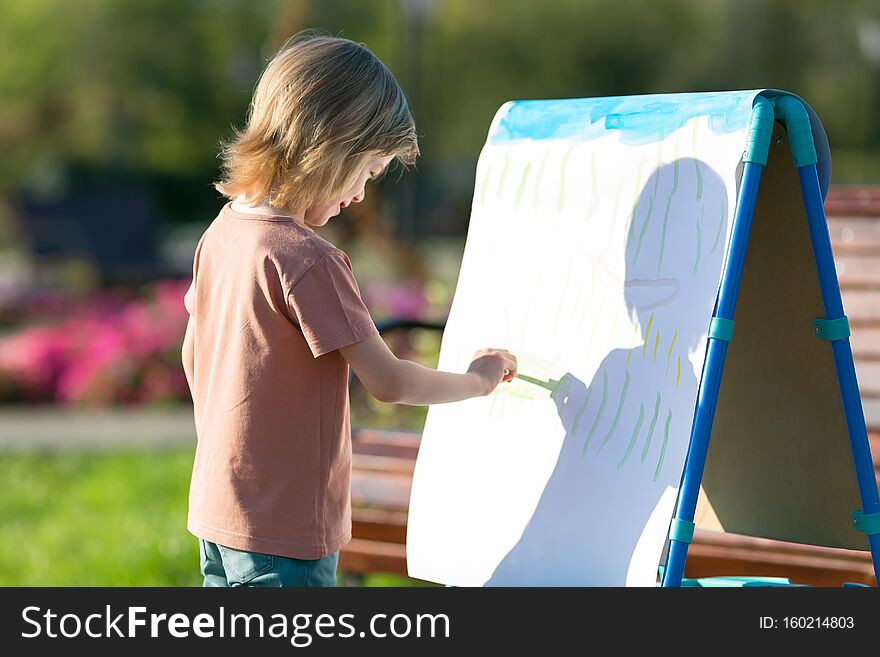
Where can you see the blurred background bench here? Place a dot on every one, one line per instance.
(383, 460)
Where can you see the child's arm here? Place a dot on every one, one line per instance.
(392, 380)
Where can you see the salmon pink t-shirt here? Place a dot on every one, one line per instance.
(271, 303)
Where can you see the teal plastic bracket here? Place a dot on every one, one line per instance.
(721, 329)
(681, 531)
(793, 114)
(866, 522)
(760, 131)
(831, 329)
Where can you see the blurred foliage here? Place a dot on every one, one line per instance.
(147, 88)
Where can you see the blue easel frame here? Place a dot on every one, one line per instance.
(791, 112)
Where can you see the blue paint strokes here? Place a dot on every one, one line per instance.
(638, 119)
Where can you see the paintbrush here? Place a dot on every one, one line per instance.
(549, 385)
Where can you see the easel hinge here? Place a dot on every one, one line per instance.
(866, 522)
(681, 531)
(721, 329)
(831, 329)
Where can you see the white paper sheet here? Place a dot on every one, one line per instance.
(594, 254)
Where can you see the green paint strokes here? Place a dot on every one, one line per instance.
(617, 415)
(633, 438)
(614, 323)
(565, 159)
(564, 295)
(651, 430)
(503, 175)
(656, 344)
(651, 201)
(631, 231)
(617, 200)
(672, 193)
(669, 355)
(598, 414)
(485, 185)
(721, 221)
(678, 375)
(634, 345)
(594, 192)
(538, 177)
(596, 319)
(699, 238)
(697, 164)
(522, 184)
(647, 332)
(663, 448)
(580, 413)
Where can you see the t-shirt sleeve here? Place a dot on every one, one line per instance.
(189, 299)
(327, 304)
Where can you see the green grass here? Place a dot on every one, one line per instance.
(118, 518)
(96, 519)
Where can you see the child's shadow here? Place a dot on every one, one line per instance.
(627, 432)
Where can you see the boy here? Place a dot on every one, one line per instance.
(276, 319)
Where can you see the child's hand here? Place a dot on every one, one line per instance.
(493, 366)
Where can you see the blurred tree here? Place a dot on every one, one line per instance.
(110, 89)
(123, 86)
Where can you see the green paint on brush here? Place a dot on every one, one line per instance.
(549, 385)
(562, 179)
(699, 238)
(620, 405)
(663, 448)
(651, 430)
(647, 332)
(522, 184)
(503, 175)
(720, 223)
(633, 438)
(598, 414)
(669, 355)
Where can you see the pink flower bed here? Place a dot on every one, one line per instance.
(107, 350)
(102, 353)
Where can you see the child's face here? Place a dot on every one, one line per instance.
(319, 215)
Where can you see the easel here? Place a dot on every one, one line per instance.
(833, 327)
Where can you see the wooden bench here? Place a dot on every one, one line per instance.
(383, 460)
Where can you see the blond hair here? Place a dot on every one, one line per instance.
(321, 108)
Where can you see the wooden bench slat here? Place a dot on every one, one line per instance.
(366, 556)
(384, 490)
(845, 232)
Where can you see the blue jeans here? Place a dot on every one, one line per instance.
(223, 566)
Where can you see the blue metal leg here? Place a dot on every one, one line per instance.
(843, 359)
(711, 380)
